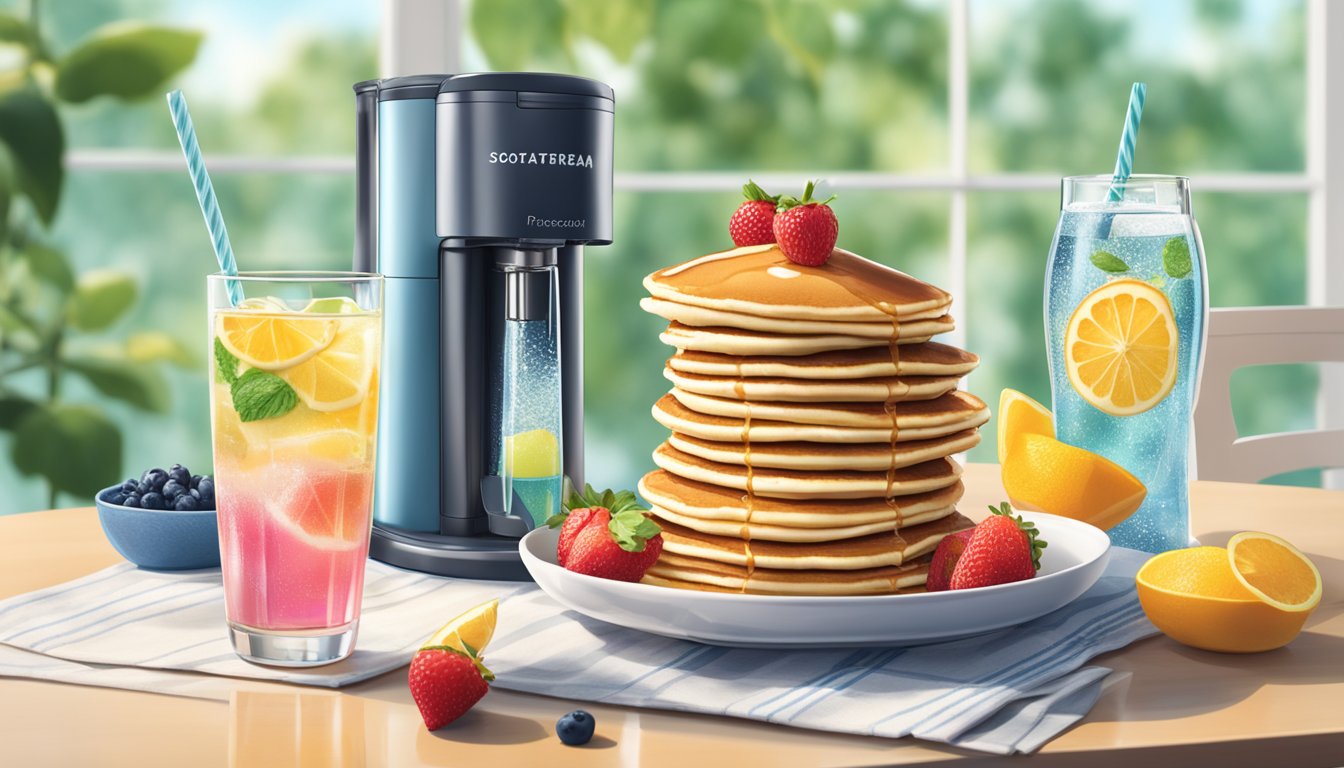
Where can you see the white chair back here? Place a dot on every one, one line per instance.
(1263, 336)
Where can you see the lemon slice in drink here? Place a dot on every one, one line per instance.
(327, 510)
(339, 377)
(1120, 347)
(336, 305)
(274, 343)
(475, 628)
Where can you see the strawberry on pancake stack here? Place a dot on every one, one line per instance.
(812, 418)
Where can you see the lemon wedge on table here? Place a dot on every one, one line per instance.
(1200, 596)
(475, 628)
(1043, 474)
(1120, 347)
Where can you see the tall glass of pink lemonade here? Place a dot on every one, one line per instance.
(294, 403)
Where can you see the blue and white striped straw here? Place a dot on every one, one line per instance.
(205, 193)
(1124, 161)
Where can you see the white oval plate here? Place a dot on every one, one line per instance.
(1073, 561)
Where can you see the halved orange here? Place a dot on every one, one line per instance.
(1195, 597)
(1120, 347)
(1275, 571)
(272, 342)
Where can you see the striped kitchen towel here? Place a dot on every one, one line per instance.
(1003, 692)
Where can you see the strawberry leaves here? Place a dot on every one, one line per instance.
(752, 191)
(471, 654)
(630, 526)
(614, 502)
(1036, 543)
(631, 529)
(789, 201)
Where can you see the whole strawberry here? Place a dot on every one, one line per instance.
(576, 520)
(445, 683)
(1003, 548)
(753, 221)
(806, 229)
(945, 559)
(622, 550)
(581, 509)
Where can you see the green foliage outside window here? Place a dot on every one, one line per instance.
(50, 317)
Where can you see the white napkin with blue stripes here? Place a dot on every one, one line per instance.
(1003, 692)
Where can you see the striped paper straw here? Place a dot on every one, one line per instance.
(205, 193)
(1124, 160)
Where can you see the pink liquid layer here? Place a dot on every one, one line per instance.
(293, 559)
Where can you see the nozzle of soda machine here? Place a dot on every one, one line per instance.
(525, 484)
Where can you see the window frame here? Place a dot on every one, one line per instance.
(427, 35)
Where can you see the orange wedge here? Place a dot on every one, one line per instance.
(1020, 415)
(1043, 474)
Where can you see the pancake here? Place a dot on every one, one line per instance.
(927, 359)
(872, 551)
(760, 280)
(688, 314)
(674, 570)
(969, 413)
(734, 341)
(913, 414)
(708, 507)
(862, 457)
(792, 484)
(878, 390)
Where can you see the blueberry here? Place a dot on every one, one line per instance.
(181, 474)
(207, 491)
(186, 503)
(195, 494)
(117, 497)
(576, 728)
(130, 486)
(131, 500)
(153, 500)
(172, 489)
(195, 481)
(153, 480)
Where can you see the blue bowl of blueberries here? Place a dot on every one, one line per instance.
(163, 521)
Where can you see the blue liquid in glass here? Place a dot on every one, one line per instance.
(1152, 445)
(530, 416)
(541, 495)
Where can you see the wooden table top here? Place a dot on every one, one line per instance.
(1165, 705)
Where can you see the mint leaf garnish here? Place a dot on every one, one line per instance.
(632, 530)
(1109, 262)
(1176, 257)
(260, 395)
(226, 365)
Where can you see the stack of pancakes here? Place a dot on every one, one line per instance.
(812, 426)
